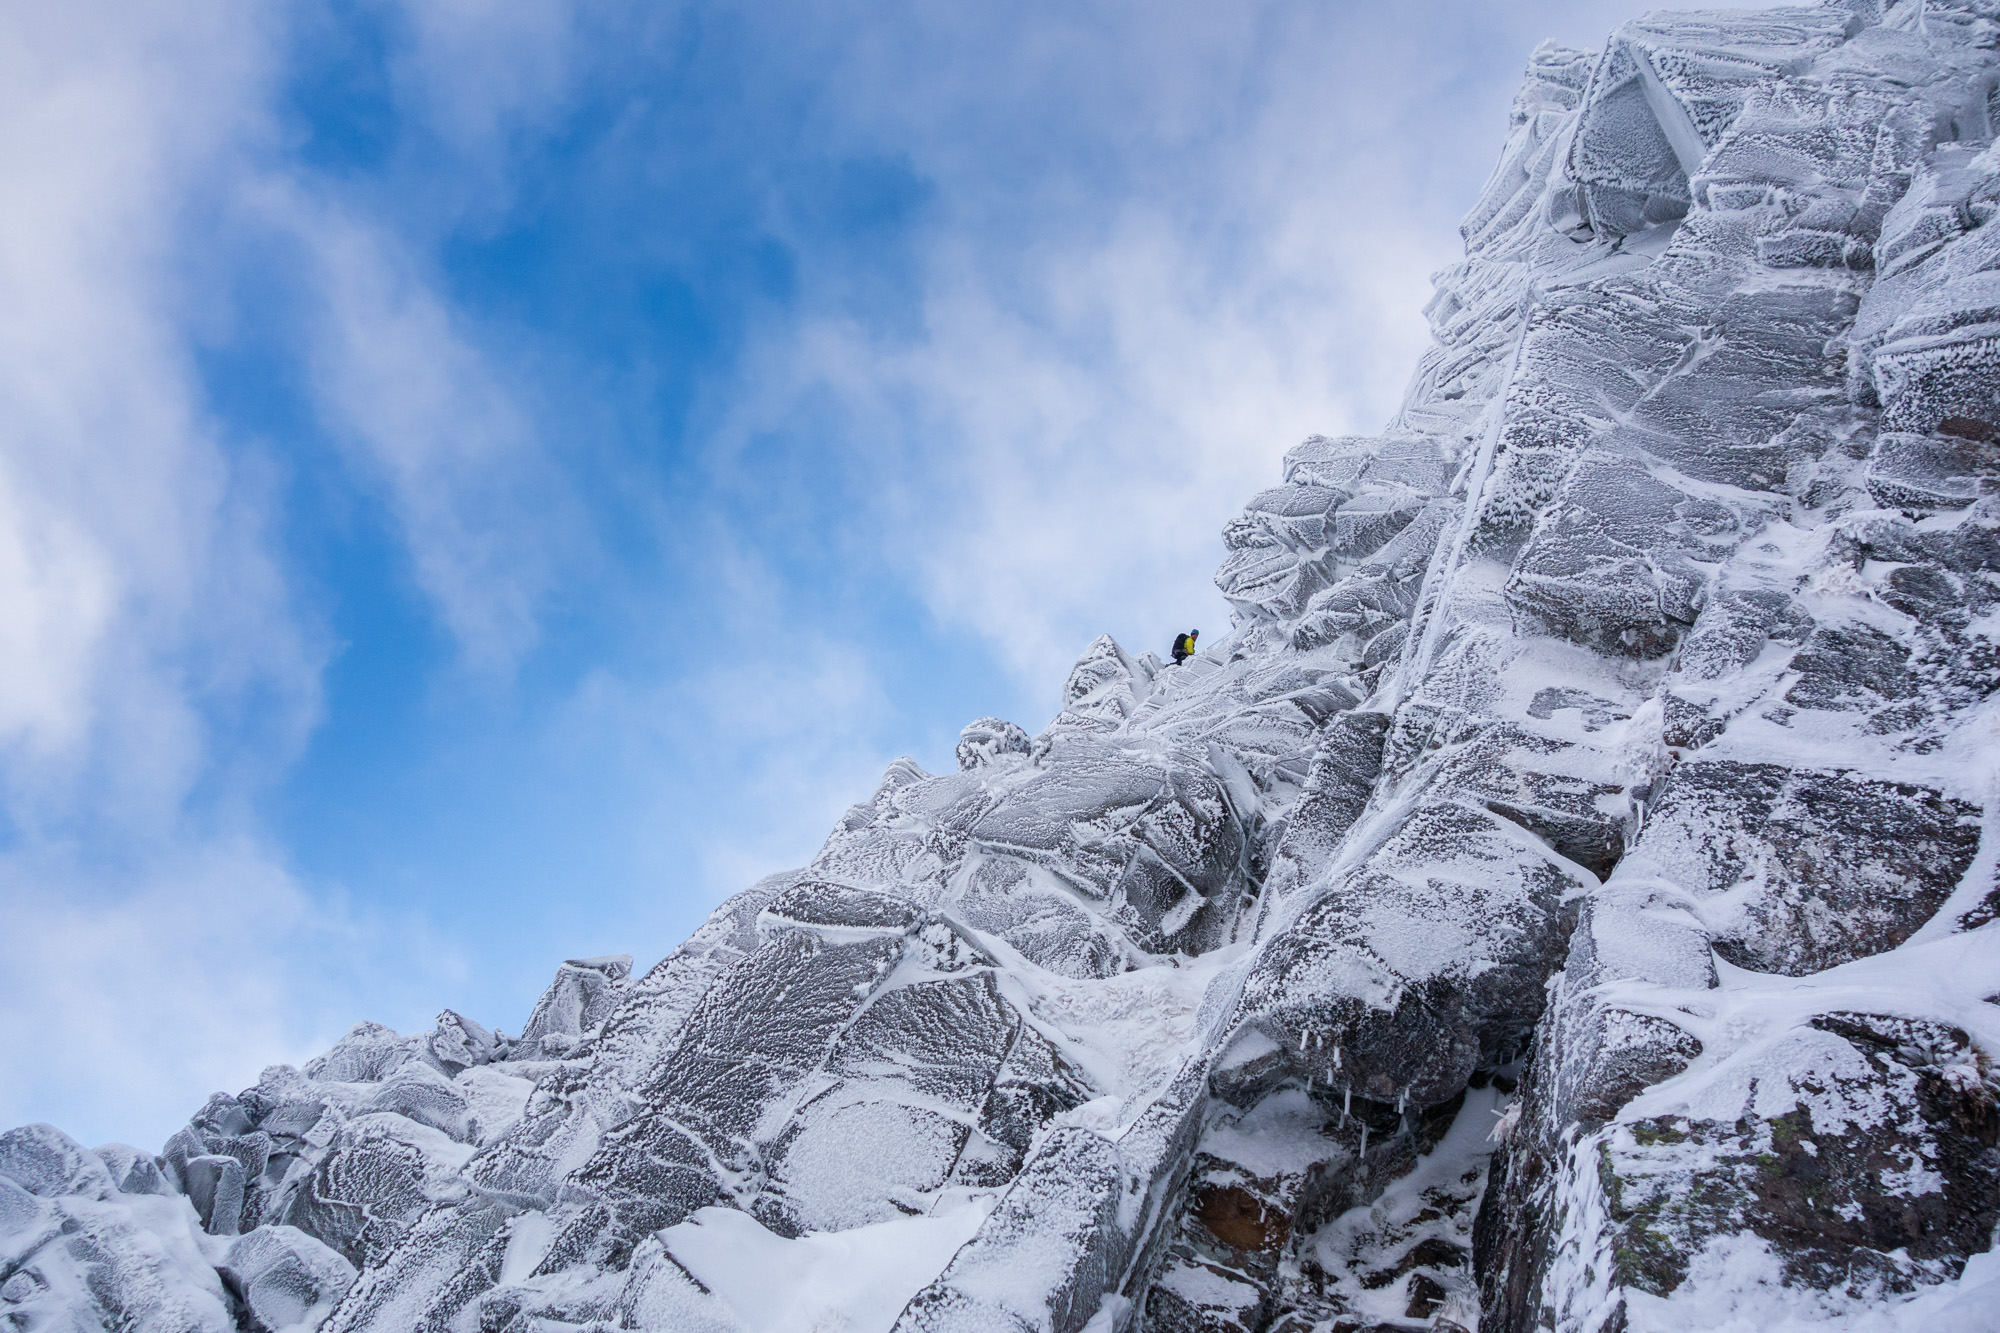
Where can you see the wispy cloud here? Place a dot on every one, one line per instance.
(127, 999)
(746, 747)
(482, 71)
(482, 508)
(1070, 450)
(1102, 375)
(137, 581)
(157, 672)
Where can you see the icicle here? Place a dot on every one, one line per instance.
(1346, 1100)
(1402, 1101)
(1364, 1139)
(1336, 1057)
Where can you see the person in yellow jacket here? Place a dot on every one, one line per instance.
(1184, 645)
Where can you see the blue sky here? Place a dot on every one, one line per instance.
(480, 481)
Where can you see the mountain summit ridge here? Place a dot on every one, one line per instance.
(1563, 901)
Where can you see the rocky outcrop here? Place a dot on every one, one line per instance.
(1561, 902)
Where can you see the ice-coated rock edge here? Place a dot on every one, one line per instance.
(1565, 900)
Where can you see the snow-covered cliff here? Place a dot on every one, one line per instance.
(1565, 900)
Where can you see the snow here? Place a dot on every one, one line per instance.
(853, 1281)
(1752, 1025)
(1735, 1286)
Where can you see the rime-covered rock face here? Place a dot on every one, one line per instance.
(1562, 902)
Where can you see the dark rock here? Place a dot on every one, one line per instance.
(1815, 868)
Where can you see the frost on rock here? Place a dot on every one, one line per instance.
(1562, 901)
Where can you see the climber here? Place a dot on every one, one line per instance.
(1184, 645)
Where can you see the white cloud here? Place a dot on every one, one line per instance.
(482, 512)
(131, 573)
(745, 752)
(137, 582)
(1100, 383)
(805, 724)
(156, 671)
(123, 1006)
(1110, 428)
(480, 71)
